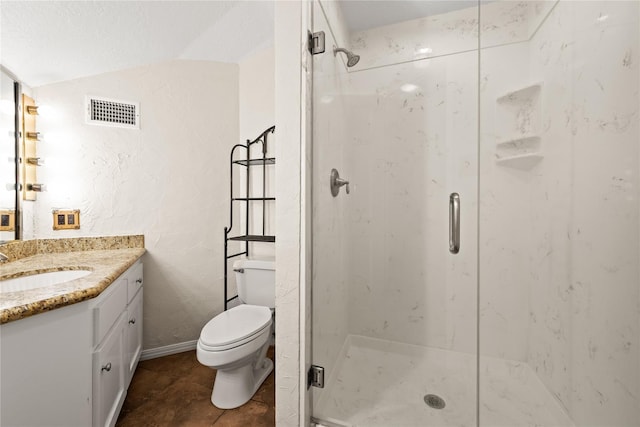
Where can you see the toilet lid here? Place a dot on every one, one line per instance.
(235, 325)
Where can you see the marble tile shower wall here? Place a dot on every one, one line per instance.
(445, 34)
(419, 139)
(505, 215)
(583, 266)
(412, 143)
(559, 279)
(389, 131)
(404, 130)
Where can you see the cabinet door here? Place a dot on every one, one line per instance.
(134, 335)
(109, 376)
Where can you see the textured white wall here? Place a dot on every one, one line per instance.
(257, 95)
(166, 180)
(291, 23)
(257, 113)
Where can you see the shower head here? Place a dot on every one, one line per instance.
(352, 58)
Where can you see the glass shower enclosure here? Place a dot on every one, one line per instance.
(477, 261)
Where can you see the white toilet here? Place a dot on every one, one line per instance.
(235, 342)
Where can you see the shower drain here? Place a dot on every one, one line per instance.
(434, 401)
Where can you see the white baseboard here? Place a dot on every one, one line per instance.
(168, 350)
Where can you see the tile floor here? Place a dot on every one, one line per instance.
(176, 391)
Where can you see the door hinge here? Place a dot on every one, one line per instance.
(315, 377)
(316, 42)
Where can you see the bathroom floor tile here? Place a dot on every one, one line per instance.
(254, 414)
(145, 386)
(176, 391)
(267, 391)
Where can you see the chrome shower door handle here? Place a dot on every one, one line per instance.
(454, 223)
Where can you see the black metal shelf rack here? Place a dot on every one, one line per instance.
(248, 163)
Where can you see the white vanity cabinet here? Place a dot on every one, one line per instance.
(72, 366)
(118, 340)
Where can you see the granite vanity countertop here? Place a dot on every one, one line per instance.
(105, 266)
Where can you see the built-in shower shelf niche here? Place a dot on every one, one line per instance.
(518, 111)
(519, 145)
(526, 92)
(520, 152)
(520, 161)
(518, 122)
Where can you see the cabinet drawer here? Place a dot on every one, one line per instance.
(134, 280)
(109, 309)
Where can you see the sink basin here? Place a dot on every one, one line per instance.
(35, 281)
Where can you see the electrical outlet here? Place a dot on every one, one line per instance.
(7, 220)
(66, 219)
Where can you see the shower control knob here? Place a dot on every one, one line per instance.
(336, 182)
(342, 182)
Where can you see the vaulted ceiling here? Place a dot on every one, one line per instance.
(47, 41)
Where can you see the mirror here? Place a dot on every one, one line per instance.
(9, 197)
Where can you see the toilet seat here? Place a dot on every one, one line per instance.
(235, 327)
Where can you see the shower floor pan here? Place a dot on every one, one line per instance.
(383, 383)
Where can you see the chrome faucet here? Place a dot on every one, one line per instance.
(3, 257)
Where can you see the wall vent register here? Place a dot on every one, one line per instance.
(109, 112)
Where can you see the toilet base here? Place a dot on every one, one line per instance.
(235, 387)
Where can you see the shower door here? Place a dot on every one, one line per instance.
(394, 307)
(529, 112)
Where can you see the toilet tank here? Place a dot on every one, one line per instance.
(256, 281)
